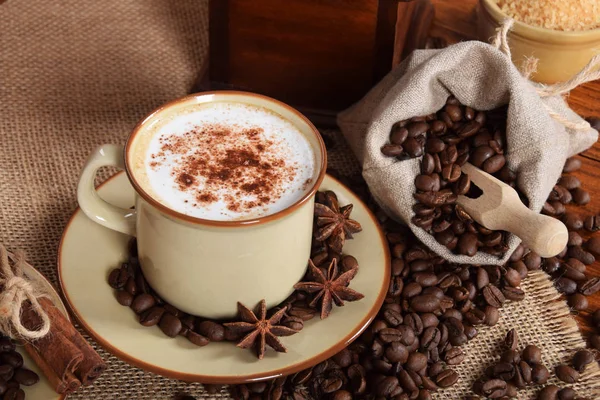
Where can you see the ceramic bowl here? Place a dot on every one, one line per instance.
(561, 54)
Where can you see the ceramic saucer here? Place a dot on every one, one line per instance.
(89, 251)
(41, 390)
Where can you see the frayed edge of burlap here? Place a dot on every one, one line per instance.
(565, 329)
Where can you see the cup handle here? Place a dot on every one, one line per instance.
(98, 210)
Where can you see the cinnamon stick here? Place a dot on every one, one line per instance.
(61, 379)
(64, 356)
(92, 365)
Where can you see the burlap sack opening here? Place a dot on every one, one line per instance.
(484, 78)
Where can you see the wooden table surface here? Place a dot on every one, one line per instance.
(456, 21)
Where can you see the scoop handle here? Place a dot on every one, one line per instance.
(545, 235)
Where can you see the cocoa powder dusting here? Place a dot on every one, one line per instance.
(216, 161)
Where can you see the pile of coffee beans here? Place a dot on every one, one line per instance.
(432, 308)
(446, 140)
(12, 372)
(515, 370)
(132, 290)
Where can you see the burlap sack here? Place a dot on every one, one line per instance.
(482, 77)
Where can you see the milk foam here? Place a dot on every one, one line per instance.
(228, 161)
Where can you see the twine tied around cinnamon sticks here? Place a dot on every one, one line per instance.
(16, 290)
(589, 73)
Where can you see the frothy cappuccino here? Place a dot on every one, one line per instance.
(225, 161)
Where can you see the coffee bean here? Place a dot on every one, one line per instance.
(566, 374)
(572, 164)
(342, 395)
(469, 129)
(426, 183)
(406, 381)
(416, 362)
(446, 378)
(573, 221)
(592, 223)
(392, 150)
(593, 245)
(492, 315)
(124, 298)
(549, 392)
(454, 356)
(413, 148)
(434, 145)
(512, 339)
(510, 356)
(532, 261)
(494, 164)
(12, 358)
(451, 173)
(26, 377)
(525, 371)
(151, 316)
(142, 302)
(565, 285)
(425, 303)
(539, 374)
(389, 335)
(331, 385)
(567, 394)
(581, 359)
(196, 338)
(118, 278)
(514, 294)
(215, 332)
(569, 181)
(532, 354)
(578, 302)
(580, 197)
(493, 296)
(463, 185)
(482, 154)
(417, 128)
(348, 263)
(398, 134)
(494, 388)
(467, 244)
(454, 112)
(580, 254)
(170, 325)
(14, 394)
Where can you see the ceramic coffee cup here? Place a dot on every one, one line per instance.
(205, 267)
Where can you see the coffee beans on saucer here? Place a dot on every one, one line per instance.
(329, 270)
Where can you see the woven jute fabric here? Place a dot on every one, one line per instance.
(74, 75)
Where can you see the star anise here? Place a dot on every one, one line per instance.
(331, 288)
(334, 223)
(262, 330)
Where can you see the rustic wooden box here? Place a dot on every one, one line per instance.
(317, 55)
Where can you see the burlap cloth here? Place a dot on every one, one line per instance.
(74, 75)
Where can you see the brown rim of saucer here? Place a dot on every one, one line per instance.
(239, 379)
(254, 221)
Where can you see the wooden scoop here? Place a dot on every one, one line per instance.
(499, 208)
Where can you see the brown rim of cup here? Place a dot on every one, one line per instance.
(253, 221)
